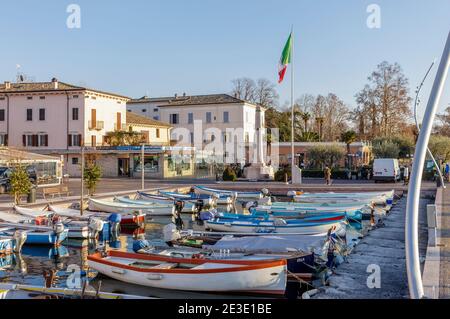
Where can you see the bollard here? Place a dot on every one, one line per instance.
(432, 224)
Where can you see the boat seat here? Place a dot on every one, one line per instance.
(165, 266)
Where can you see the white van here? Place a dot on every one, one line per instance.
(386, 169)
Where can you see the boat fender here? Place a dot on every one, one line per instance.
(140, 244)
(58, 228)
(20, 237)
(171, 233)
(308, 294)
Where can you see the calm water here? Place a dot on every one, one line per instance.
(28, 267)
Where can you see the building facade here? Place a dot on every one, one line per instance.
(204, 119)
(56, 118)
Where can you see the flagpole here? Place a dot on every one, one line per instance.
(292, 107)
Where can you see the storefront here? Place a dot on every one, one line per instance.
(125, 161)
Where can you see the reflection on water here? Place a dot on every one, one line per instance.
(28, 267)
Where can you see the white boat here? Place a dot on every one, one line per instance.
(77, 228)
(378, 198)
(273, 226)
(238, 194)
(189, 207)
(249, 276)
(127, 219)
(117, 207)
(14, 291)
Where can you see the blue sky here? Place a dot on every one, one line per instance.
(164, 47)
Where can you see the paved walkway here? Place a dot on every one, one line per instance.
(384, 248)
(444, 244)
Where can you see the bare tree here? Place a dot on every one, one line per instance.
(244, 88)
(385, 101)
(265, 93)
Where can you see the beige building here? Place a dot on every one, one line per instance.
(202, 119)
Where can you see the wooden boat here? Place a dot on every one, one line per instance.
(36, 235)
(211, 200)
(275, 226)
(132, 219)
(14, 291)
(239, 195)
(378, 198)
(250, 276)
(295, 212)
(297, 262)
(77, 228)
(117, 207)
(255, 215)
(189, 207)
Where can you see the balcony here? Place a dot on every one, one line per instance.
(96, 125)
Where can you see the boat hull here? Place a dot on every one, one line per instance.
(114, 207)
(268, 277)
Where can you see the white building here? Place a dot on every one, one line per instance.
(205, 119)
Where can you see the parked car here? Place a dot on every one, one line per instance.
(5, 177)
(386, 169)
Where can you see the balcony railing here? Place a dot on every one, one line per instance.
(96, 125)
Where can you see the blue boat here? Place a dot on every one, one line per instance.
(355, 215)
(7, 244)
(36, 235)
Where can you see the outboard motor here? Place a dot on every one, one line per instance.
(199, 205)
(58, 228)
(171, 234)
(141, 244)
(265, 192)
(114, 222)
(20, 237)
(177, 220)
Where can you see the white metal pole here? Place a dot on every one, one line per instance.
(416, 104)
(412, 208)
(292, 107)
(142, 167)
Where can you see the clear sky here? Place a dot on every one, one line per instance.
(158, 48)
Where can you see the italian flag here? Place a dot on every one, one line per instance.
(285, 59)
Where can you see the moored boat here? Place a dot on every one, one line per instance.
(188, 207)
(250, 276)
(274, 226)
(208, 199)
(117, 207)
(239, 194)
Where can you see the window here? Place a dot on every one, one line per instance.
(156, 118)
(75, 96)
(190, 118)
(29, 97)
(226, 117)
(2, 115)
(74, 140)
(41, 114)
(29, 114)
(43, 140)
(155, 109)
(157, 133)
(208, 117)
(173, 118)
(75, 160)
(75, 111)
(144, 110)
(192, 137)
(93, 140)
(42, 97)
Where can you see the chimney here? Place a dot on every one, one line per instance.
(55, 83)
(7, 85)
